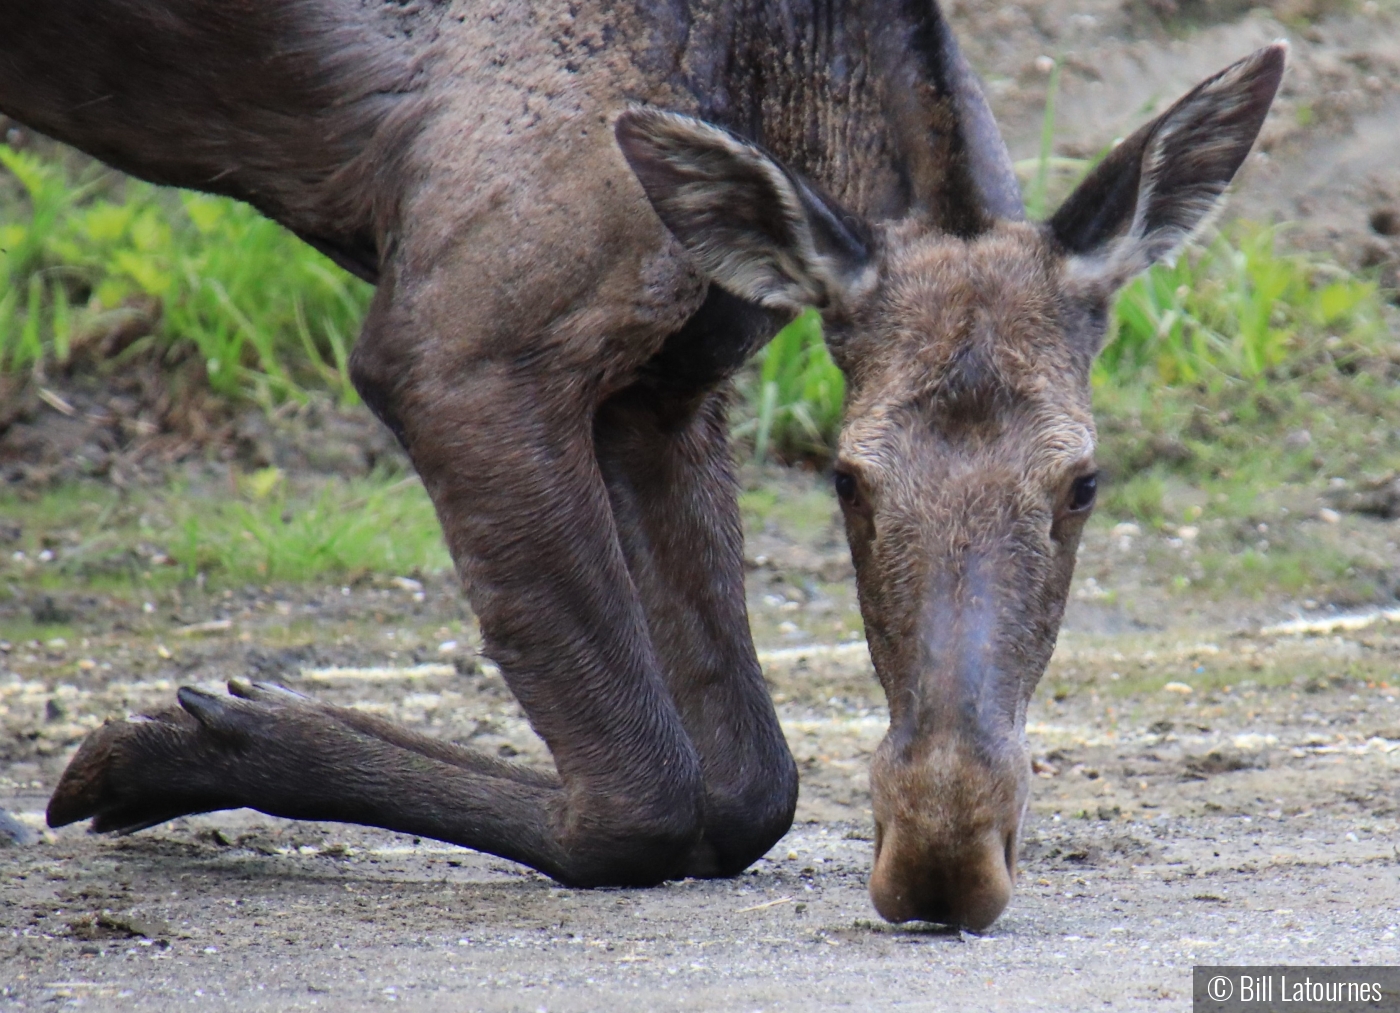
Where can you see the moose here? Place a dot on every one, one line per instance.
(582, 217)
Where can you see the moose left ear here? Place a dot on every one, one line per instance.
(1142, 202)
(756, 228)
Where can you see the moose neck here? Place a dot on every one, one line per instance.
(870, 99)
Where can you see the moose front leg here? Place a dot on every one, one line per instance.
(509, 461)
(283, 754)
(667, 463)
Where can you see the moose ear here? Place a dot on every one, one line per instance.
(1142, 202)
(756, 228)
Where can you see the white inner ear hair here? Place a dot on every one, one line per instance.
(1183, 183)
(751, 264)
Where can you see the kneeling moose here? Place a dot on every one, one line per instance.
(581, 219)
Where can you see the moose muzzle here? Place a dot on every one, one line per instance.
(951, 778)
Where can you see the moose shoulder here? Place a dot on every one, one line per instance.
(581, 219)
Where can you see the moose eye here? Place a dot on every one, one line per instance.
(1082, 492)
(845, 486)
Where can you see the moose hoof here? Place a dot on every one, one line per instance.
(133, 774)
(91, 785)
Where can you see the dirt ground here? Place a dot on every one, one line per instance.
(1328, 159)
(1210, 789)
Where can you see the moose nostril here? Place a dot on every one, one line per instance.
(968, 886)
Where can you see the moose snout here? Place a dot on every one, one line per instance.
(946, 829)
(949, 782)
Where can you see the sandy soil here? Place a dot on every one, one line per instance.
(1252, 819)
(1329, 156)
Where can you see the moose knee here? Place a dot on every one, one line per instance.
(619, 841)
(743, 821)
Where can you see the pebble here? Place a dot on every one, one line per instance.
(13, 833)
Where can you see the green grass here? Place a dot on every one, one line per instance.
(1213, 367)
(793, 402)
(345, 530)
(800, 509)
(1235, 310)
(260, 528)
(1037, 195)
(268, 316)
(1252, 573)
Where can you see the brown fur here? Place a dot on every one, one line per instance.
(567, 280)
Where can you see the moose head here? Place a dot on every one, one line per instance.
(965, 466)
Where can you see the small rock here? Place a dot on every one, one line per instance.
(1298, 439)
(133, 925)
(1386, 221)
(1328, 516)
(1178, 687)
(47, 612)
(1168, 450)
(1378, 498)
(1374, 252)
(1221, 761)
(836, 568)
(13, 833)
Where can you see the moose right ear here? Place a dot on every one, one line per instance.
(756, 228)
(1142, 202)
